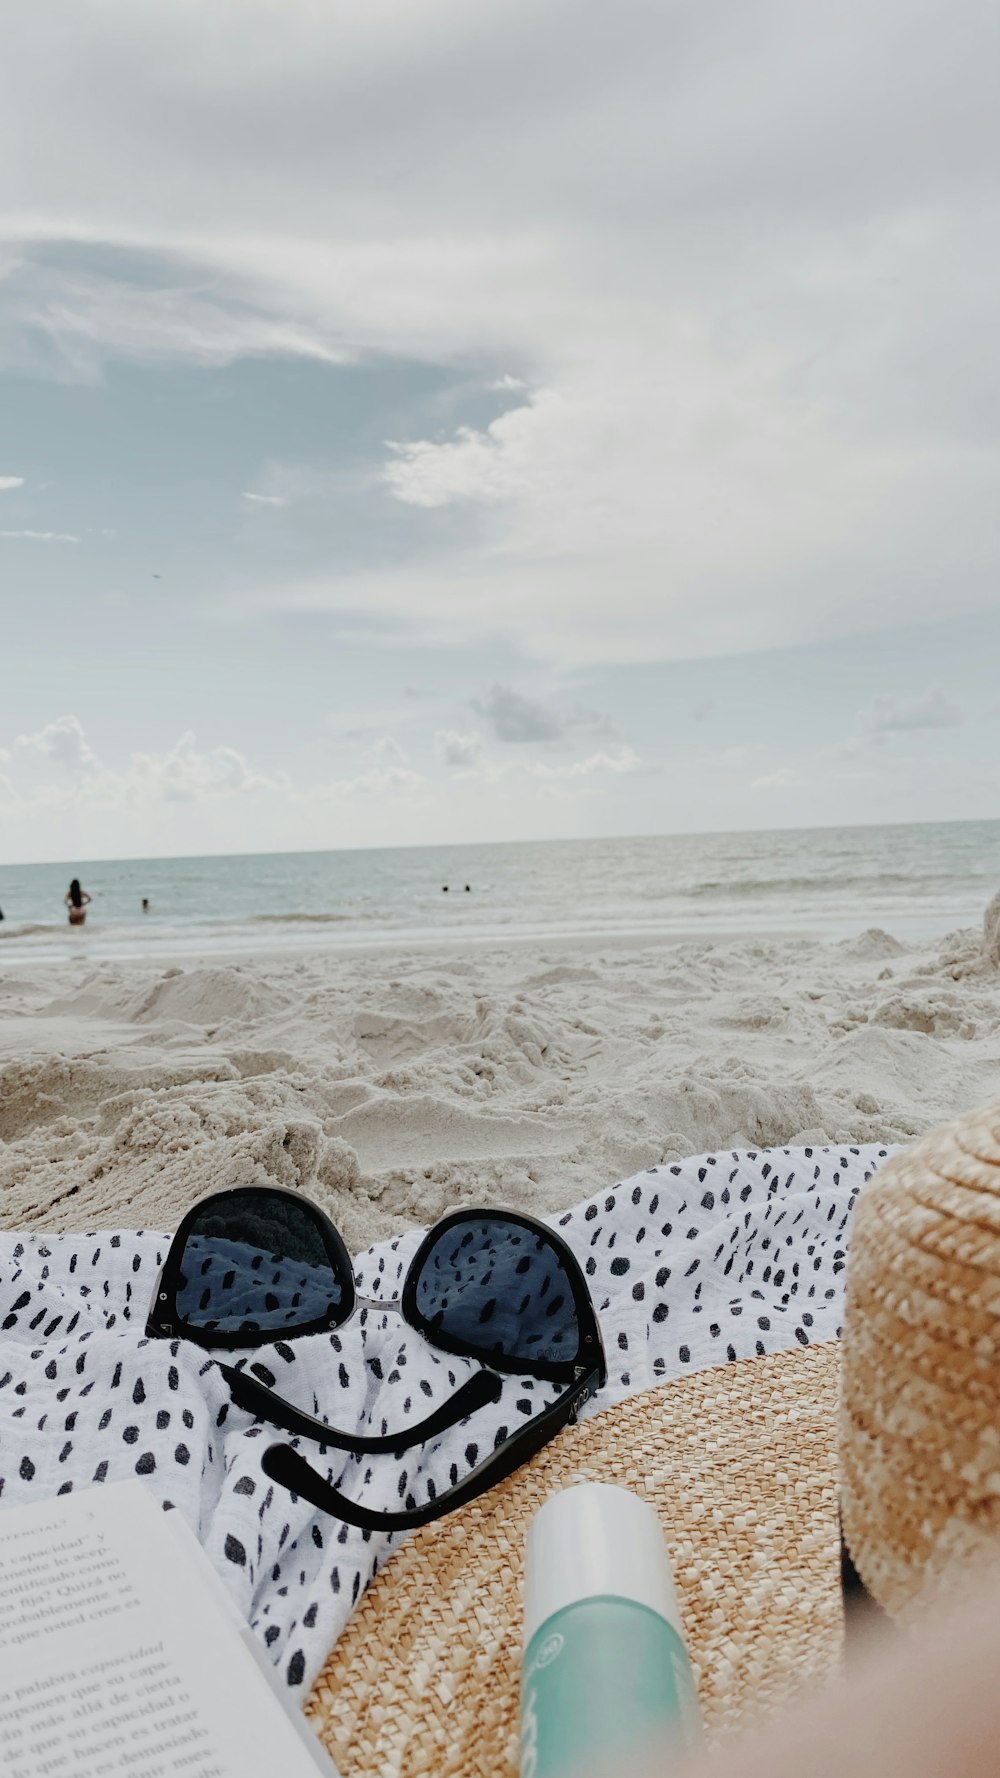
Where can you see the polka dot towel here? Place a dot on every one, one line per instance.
(701, 1263)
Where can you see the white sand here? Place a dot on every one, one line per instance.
(393, 1085)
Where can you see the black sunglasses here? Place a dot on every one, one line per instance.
(258, 1263)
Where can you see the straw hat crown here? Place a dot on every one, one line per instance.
(920, 1393)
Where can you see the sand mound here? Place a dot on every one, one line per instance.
(874, 944)
(991, 931)
(934, 1014)
(393, 1085)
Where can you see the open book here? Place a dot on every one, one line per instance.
(122, 1653)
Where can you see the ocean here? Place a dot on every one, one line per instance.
(917, 881)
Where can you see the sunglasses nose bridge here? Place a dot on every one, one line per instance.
(374, 1302)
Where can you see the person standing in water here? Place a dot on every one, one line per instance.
(77, 900)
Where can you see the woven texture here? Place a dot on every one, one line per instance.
(738, 1462)
(920, 1413)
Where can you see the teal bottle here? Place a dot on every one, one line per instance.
(607, 1689)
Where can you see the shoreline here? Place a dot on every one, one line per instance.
(426, 943)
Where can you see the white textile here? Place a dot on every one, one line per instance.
(712, 1260)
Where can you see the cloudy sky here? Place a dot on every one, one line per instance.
(438, 419)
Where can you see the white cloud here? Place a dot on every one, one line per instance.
(63, 741)
(183, 773)
(264, 499)
(393, 781)
(669, 498)
(779, 780)
(84, 318)
(625, 760)
(465, 756)
(471, 466)
(7, 482)
(391, 777)
(388, 752)
(186, 773)
(715, 294)
(43, 536)
(666, 496)
(887, 715)
(160, 792)
(460, 752)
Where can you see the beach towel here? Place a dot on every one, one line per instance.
(701, 1263)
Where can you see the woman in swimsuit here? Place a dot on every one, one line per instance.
(76, 901)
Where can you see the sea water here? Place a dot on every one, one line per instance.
(917, 881)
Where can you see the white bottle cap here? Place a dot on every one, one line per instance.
(596, 1539)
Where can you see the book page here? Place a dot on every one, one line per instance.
(116, 1657)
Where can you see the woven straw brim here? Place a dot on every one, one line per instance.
(739, 1464)
(920, 1419)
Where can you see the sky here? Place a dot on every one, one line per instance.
(426, 421)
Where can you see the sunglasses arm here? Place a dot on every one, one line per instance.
(255, 1398)
(290, 1469)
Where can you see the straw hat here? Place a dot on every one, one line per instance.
(920, 1413)
(740, 1465)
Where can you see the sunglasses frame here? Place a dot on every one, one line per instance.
(164, 1321)
(287, 1466)
(584, 1373)
(484, 1386)
(555, 1370)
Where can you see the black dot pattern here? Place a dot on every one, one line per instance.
(705, 1262)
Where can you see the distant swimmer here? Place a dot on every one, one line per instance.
(444, 888)
(468, 889)
(145, 904)
(77, 900)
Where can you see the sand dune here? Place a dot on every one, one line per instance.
(393, 1086)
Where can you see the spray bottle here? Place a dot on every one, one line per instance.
(606, 1686)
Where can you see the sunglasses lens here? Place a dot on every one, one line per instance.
(500, 1289)
(256, 1263)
